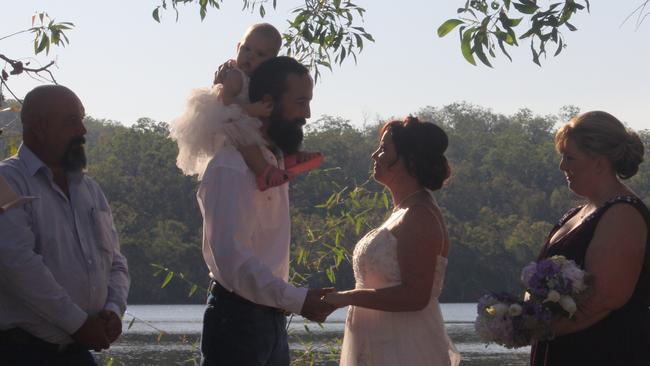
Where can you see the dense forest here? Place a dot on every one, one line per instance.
(505, 194)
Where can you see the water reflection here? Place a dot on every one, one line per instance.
(166, 335)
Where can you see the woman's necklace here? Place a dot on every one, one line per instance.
(398, 205)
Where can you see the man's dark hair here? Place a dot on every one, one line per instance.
(271, 78)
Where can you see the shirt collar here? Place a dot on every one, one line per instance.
(31, 161)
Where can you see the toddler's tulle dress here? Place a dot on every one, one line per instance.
(207, 124)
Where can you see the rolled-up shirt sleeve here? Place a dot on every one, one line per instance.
(24, 274)
(229, 225)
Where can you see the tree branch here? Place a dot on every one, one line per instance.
(19, 68)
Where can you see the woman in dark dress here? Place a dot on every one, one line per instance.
(608, 236)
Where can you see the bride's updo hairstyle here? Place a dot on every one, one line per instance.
(422, 145)
(598, 132)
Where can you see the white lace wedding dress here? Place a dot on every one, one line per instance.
(381, 338)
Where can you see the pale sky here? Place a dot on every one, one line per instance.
(124, 65)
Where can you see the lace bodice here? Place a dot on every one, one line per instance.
(375, 260)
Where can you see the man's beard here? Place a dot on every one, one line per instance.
(285, 134)
(74, 157)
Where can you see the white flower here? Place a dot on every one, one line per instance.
(552, 296)
(515, 310)
(567, 303)
(576, 276)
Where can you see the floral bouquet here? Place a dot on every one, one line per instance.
(557, 283)
(556, 286)
(510, 322)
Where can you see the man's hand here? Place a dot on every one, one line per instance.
(113, 324)
(220, 74)
(314, 308)
(92, 333)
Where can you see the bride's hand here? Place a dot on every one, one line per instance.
(335, 298)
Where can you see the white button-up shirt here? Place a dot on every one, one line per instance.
(59, 257)
(246, 232)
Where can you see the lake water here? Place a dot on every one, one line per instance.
(166, 335)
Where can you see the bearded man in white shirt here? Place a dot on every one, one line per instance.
(63, 281)
(246, 234)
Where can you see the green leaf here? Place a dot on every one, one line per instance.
(466, 48)
(357, 227)
(131, 323)
(559, 48)
(169, 277)
(448, 26)
(530, 8)
(571, 27)
(262, 11)
(155, 14)
(535, 55)
(330, 275)
(359, 41)
(193, 290)
(478, 50)
(45, 41)
(503, 49)
(528, 33)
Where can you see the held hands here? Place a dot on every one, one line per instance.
(113, 324)
(92, 333)
(335, 298)
(314, 308)
(99, 331)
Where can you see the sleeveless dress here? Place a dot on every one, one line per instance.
(377, 338)
(621, 338)
(207, 124)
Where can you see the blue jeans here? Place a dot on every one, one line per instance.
(237, 332)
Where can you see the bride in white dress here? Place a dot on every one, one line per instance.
(394, 316)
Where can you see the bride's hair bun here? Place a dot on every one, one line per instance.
(422, 145)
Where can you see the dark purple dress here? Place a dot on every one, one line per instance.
(621, 338)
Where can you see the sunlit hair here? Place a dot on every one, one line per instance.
(600, 133)
(422, 145)
(267, 30)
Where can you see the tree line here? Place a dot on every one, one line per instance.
(505, 194)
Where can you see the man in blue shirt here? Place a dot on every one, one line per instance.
(63, 280)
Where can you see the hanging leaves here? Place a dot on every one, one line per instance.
(321, 34)
(484, 27)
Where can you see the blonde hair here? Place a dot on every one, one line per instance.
(601, 133)
(266, 30)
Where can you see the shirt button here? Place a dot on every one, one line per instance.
(93, 288)
(268, 198)
(90, 262)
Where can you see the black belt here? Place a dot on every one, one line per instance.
(17, 336)
(217, 290)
